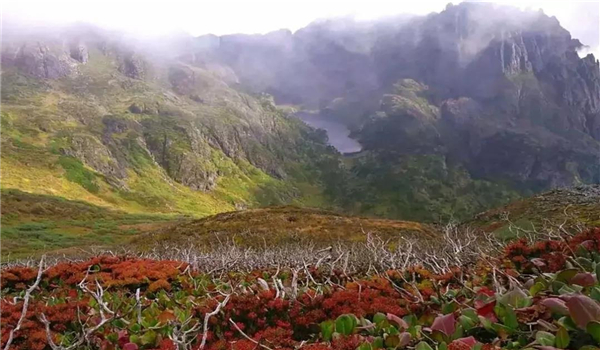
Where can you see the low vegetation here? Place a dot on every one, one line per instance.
(526, 295)
(573, 208)
(283, 225)
(35, 224)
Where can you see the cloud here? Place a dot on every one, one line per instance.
(199, 17)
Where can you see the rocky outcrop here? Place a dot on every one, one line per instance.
(193, 174)
(133, 66)
(41, 60)
(79, 52)
(93, 153)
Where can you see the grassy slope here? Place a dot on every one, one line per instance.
(280, 225)
(579, 206)
(41, 117)
(32, 224)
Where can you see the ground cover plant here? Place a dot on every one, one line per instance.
(528, 294)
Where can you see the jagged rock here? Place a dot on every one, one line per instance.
(461, 112)
(79, 52)
(41, 60)
(191, 173)
(97, 156)
(133, 66)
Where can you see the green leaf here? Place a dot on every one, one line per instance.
(510, 318)
(134, 338)
(119, 323)
(449, 307)
(569, 289)
(150, 323)
(149, 338)
(423, 346)
(502, 329)
(327, 329)
(593, 328)
(536, 288)
(471, 313)
(442, 346)
(487, 324)
(365, 346)
(556, 286)
(595, 292)
(568, 323)
(392, 330)
(345, 324)
(466, 322)
(113, 337)
(458, 333)
(516, 298)
(450, 294)
(379, 318)
(414, 331)
(544, 338)
(439, 336)
(411, 319)
(585, 263)
(392, 341)
(135, 328)
(377, 343)
(562, 338)
(566, 275)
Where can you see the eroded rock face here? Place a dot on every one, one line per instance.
(133, 66)
(79, 52)
(93, 153)
(40, 60)
(193, 174)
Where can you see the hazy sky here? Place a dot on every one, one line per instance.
(219, 17)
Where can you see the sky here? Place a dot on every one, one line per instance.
(221, 17)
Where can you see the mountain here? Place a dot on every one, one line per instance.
(122, 123)
(454, 113)
(492, 92)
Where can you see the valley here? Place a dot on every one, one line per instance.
(411, 182)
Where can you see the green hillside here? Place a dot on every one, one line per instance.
(145, 135)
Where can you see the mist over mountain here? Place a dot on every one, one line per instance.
(492, 88)
(452, 112)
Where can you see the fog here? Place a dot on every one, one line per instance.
(151, 18)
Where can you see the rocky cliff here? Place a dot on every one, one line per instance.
(517, 103)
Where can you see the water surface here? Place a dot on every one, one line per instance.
(338, 133)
